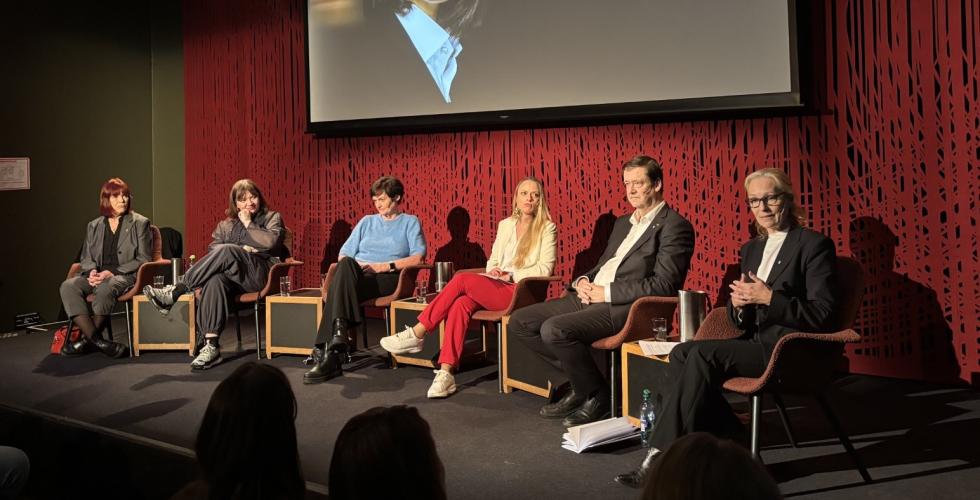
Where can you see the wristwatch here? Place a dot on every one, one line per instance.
(391, 267)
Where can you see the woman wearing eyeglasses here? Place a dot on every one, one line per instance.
(787, 285)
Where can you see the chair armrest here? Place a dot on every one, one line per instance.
(531, 290)
(406, 280)
(717, 326)
(638, 325)
(144, 276)
(805, 362)
(275, 272)
(73, 270)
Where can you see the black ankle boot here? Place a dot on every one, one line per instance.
(108, 347)
(338, 343)
(329, 367)
(77, 348)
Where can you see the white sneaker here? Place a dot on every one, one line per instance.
(443, 385)
(403, 342)
(209, 356)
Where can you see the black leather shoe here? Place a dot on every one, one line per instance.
(109, 348)
(338, 343)
(330, 367)
(316, 355)
(637, 478)
(563, 407)
(79, 347)
(593, 409)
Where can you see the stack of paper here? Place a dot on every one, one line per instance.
(656, 347)
(611, 430)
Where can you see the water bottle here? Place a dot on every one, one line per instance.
(647, 419)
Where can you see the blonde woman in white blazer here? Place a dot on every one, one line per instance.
(524, 247)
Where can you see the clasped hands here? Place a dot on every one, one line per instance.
(500, 273)
(376, 268)
(96, 278)
(590, 293)
(750, 290)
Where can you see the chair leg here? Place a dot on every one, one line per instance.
(129, 329)
(258, 333)
(613, 385)
(500, 357)
(844, 439)
(781, 408)
(238, 328)
(754, 425)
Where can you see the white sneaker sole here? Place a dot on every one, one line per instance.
(201, 368)
(441, 395)
(405, 350)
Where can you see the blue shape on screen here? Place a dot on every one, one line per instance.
(437, 48)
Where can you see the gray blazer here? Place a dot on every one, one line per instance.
(656, 265)
(135, 244)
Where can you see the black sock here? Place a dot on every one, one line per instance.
(179, 289)
(99, 321)
(85, 325)
(211, 340)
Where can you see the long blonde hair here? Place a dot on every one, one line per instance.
(784, 187)
(533, 234)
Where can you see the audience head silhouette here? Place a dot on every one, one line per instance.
(700, 466)
(246, 446)
(393, 441)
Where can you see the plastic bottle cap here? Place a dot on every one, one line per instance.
(646, 393)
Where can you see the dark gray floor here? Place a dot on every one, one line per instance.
(917, 439)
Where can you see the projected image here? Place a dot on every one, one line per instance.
(377, 59)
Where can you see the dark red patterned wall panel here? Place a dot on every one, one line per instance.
(889, 170)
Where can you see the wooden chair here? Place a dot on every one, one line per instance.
(801, 363)
(144, 276)
(257, 299)
(528, 291)
(638, 326)
(404, 288)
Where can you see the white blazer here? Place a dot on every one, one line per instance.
(540, 260)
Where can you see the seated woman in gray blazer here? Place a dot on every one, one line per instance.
(117, 243)
(243, 248)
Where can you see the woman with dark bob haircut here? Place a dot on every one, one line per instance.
(243, 248)
(368, 266)
(700, 466)
(394, 442)
(246, 446)
(117, 243)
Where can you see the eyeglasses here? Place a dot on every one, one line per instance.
(769, 200)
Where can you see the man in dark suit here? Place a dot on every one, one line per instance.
(648, 253)
(787, 285)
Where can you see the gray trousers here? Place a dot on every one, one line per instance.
(75, 290)
(225, 272)
(564, 329)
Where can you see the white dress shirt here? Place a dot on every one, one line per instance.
(773, 243)
(607, 273)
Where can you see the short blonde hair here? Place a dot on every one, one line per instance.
(784, 187)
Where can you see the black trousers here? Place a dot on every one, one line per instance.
(563, 329)
(695, 374)
(348, 288)
(225, 272)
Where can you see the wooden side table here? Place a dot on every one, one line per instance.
(291, 321)
(172, 331)
(524, 370)
(641, 372)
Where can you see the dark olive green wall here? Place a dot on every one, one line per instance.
(168, 114)
(78, 99)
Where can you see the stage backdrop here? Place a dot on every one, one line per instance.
(888, 170)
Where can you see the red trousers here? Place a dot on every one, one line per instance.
(465, 294)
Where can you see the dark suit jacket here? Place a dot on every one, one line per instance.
(656, 265)
(135, 244)
(804, 288)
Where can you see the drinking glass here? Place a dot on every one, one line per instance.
(158, 281)
(659, 329)
(421, 289)
(284, 286)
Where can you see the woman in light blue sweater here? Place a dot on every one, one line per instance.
(368, 267)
